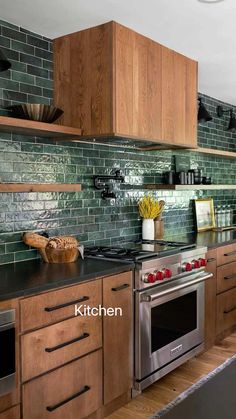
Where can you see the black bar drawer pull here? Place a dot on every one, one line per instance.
(82, 391)
(69, 342)
(230, 253)
(211, 260)
(229, 311)
(121, 287)
(70, 303)
(233, 276)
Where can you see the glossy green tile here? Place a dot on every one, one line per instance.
(8, 258)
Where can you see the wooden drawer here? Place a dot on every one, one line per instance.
(72, 391)
(13, 413)
(226, 277)
(54, 306)
(226, 254)
(53, 346)
(226, 310)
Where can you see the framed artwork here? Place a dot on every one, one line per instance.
(205, 216)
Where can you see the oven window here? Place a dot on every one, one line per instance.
(7, 345)
(173, 319)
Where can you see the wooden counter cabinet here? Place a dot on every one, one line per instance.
(118, 338)
(210, 300)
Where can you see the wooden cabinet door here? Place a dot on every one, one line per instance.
(173, 100)
(118, 336)
(210, 300)
(123, 90)
(13, 413)
(179, 99)
(137, 90)
(83, 79)
(191, 103)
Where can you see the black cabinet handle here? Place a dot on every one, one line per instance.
(229, 311)
(233, 276)
(211, 260)
(230, 253)
(121, 287)
(82, 391)
(69, 342)
(69, 303)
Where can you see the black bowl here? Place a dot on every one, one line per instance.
(36, 112)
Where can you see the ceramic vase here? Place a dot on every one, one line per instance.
(148, 229)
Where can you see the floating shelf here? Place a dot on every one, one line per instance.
(38, 129)
(215, 152)
(188, 187)
(39, 187)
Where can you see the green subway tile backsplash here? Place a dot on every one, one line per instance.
(85, 214)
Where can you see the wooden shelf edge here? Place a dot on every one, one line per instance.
(188, 187)
(215, 152)
(35, 128)
(39, 187)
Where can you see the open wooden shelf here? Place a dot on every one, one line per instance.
(215, 152)
(39, 187)
(188, 187)
(38, 129)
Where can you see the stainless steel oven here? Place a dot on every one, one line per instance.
(7, 351)
(169, 326)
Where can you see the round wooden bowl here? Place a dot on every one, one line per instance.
(61, 255)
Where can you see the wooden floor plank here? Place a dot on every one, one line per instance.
(169, 387)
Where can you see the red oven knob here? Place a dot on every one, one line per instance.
(187, 267)
(202, 261)
(159, 275)
(168, 273)
(149, 277)
(196, 264)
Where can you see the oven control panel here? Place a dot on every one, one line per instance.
(166, 273)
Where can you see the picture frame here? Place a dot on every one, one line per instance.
(205, 215)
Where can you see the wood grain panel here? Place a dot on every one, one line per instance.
(83, 79)
(12, 398)
(154, 90)
(126, 110)
(147, 121)
(210, 300)
(226, 310)
(39, 187)
(191, 102)
(226, 254)
(39, 129)
(173, 96)
(34, 315)
(13, 413)
(226, 277)
(118, 352)
(59, 385)
(76, 336)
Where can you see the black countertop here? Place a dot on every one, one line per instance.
(210, 239)
(31, 277)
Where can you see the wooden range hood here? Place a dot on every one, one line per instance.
(122, 88)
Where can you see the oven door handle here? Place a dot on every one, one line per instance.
(153, 297)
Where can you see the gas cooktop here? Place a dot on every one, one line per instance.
(137, 250)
